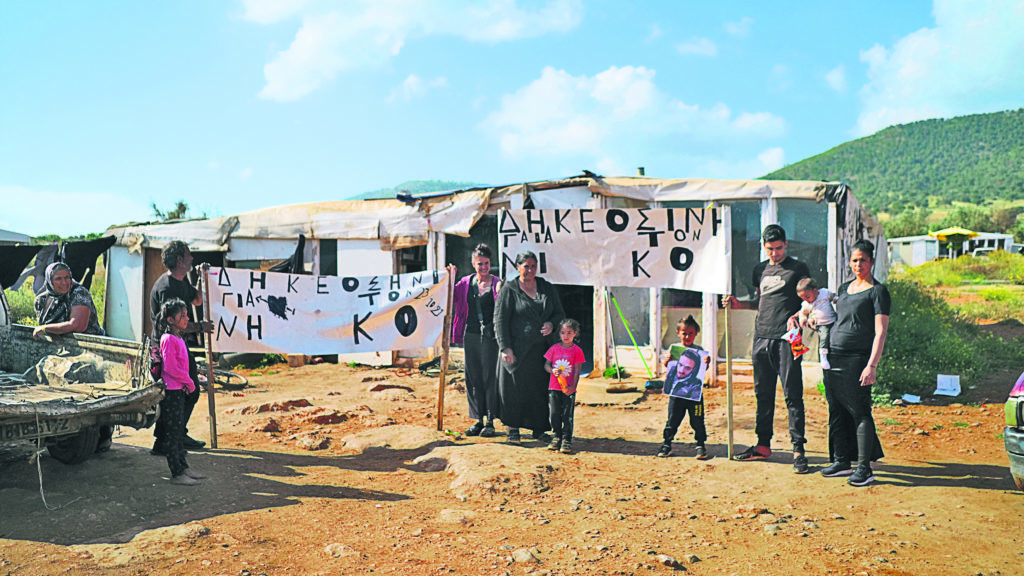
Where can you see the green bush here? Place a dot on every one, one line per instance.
(925, 339)
(610, 372)
(22, 304)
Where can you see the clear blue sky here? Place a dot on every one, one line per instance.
(107, 106)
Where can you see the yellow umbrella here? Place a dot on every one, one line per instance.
(944, 235)
(953, 236)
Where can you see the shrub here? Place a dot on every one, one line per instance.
(611, 371)
(925, 339)
(22, 304)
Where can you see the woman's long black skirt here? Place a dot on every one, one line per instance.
(524, 393)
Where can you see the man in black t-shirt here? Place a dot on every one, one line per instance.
(775, 300)
(177, 258)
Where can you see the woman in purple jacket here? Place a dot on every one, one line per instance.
(473, 327)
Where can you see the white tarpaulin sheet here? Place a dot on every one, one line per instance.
(269, 312)
(687, 248)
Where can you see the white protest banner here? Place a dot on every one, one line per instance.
(687, 248)
(271, 312)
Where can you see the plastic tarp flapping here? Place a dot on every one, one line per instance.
(394, 223)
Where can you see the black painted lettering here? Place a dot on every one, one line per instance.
(321, 285)
(715, 221)
(680, 235)
(637, 268)
(671, 219)
(406, 320)
(697, 214)
(227, 330)
(291, 284)
(260, 279)
(643, 223)
(542, 265)
(393, 296)
(249, 301)
(222, 277)
(583, 220)
(695, 234)
(652, 237)
(224, 298)
(255, 326)
(560, 219)
(537, 221)
(370, 296)
(681, 258)
(357, 327)
(396, 282)
(508, 224)
(239, 299)
(617, 220)
(547, 236)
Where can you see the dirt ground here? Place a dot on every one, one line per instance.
(359, 481)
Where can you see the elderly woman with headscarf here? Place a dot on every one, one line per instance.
(65, 306)
(527, 311)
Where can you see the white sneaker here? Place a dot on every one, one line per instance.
(823, 355)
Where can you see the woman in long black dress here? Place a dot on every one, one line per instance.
(525, 317)
(473, 302)
(858, 339)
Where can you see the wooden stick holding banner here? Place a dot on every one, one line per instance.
(211, 380)
(650, 377)
(611, 335)
(728, 378)
(446, 336)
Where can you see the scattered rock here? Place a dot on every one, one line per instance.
(312, 442)
(669, 561)
(772, 529)
(525, 555)
(270, 426)
(692, 558)
(339, 550)
(450, 516)
(321, 415)
(919, 432)
(492, 469)
(277, 406)
(386, 386)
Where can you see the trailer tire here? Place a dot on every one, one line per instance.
(76, 449)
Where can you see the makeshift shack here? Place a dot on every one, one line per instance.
(427, 231)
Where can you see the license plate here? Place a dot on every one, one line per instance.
(38, 429)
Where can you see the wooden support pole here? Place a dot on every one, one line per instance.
(728, 378)
(211, 380)
(446, 337)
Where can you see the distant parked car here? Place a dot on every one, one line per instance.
(982, 252)
(1013, 435)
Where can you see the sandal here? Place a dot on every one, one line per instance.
(755, 453)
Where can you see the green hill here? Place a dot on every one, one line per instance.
(415, 187)
(976, 159)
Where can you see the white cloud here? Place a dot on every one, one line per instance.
(763, 163)
(655, 33)
(245, 174)
(836, 79)
(334, 38)
(414, 87)
(698, 46)
(968, 62)
(740, 28)
(772, 159)
(71, 213)
(559, 114)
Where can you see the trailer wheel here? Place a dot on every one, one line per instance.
(76, 449)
